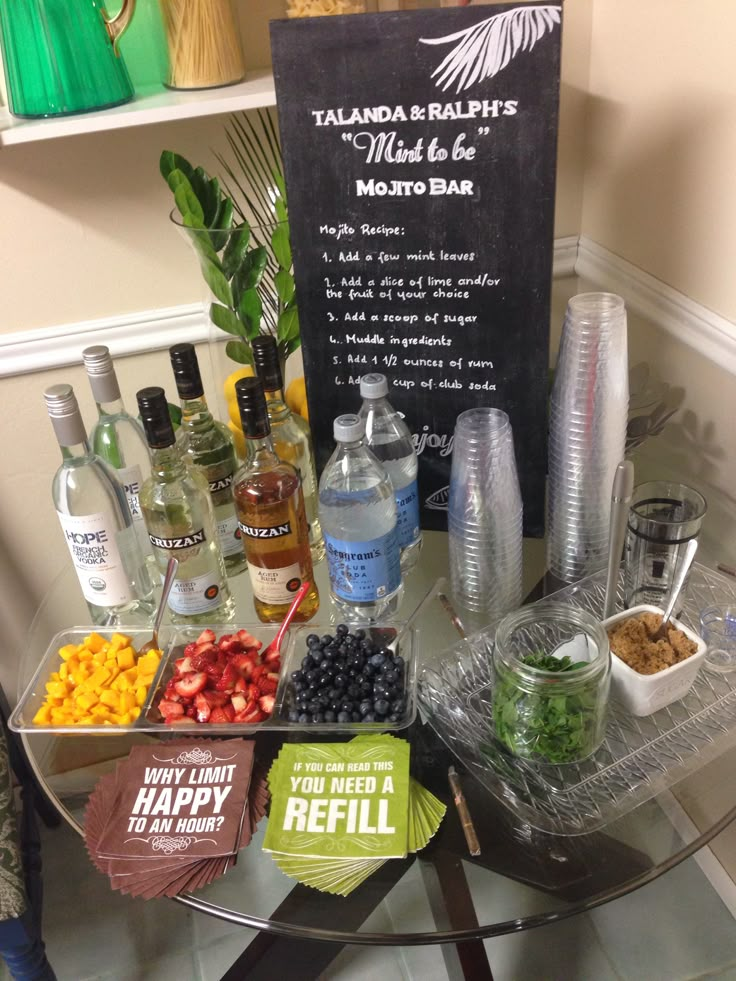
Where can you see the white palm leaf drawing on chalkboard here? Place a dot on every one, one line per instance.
(486, 48)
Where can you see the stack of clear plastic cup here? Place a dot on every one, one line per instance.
(485, 514)
(587, 433)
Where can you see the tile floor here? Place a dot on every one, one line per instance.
(676, 929)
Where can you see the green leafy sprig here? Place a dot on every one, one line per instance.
(233, 266)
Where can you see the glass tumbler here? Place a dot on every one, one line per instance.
(544, 715)
(663, 518)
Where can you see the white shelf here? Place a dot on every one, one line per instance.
(161, 106)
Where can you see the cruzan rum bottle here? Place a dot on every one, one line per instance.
(273, 523)
(178, 512)
(208, 446)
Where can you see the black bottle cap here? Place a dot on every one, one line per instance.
(186, 371)
(155, 417)
(266, 360)
(253, 408)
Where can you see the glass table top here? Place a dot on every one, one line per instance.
(522, 877)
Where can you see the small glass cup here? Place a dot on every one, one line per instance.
(718, 630)
(663, 518)
(551, 716)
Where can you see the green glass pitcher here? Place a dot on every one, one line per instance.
(61, 56)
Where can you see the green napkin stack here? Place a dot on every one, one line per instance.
(340, 810)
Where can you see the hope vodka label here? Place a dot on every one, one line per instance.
(131, 479)
(94, 550)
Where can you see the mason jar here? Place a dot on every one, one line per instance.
(542, 714)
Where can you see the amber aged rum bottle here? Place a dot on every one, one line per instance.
(273, 523)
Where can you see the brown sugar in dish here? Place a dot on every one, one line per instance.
(631, 640)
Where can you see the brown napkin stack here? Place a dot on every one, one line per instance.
(173, 816)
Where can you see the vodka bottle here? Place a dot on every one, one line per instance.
(270, 504)
(96, 521)
(180, 519)
(389, 438)
(357, 509)
(291, 436)
(208, 446)
(117, 437)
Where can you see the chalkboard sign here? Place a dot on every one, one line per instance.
(419, 151)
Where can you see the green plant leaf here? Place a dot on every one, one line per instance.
(281, 246)
(284, 283)
(216, 281)
(208, 200)
(186, 200)
(170, 161)
(251, 270)
(200, 239)
(239, 351)
(288, 327)
(235, 249)
(225, 319)
(250, 310)
(223, 222)
(280, 184)
(280, 209)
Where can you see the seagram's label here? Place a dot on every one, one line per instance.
(407, 514)
(94, 550)
(271, 531)
(185, 541)
(362, 572)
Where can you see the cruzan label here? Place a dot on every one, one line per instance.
(274, 531)
(222, 483)
(187, 541)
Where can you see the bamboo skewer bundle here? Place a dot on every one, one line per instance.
(204, 44)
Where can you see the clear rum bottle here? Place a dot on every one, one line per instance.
(208, 447)
(96, 522)
(180, 519)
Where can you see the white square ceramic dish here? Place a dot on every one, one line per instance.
(644, 694)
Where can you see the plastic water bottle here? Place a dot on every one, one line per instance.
(357, 511)
(389, 439)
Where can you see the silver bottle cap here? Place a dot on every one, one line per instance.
(348, 428)
(61, 404)
(101, 373)
(373, 386)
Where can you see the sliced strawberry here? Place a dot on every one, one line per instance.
(191, 711)
(203, 707)
(238, 702)
(190, 649)
(207, 636)
(206, 648)
(224, 714)
(273, 660)
(183, 665)
(250, 716)
(254, 692)
(228, 679)
(170, 710)
(216, 699)
(229, 712)
(266, 686)
(171, 693)
(245, 662)
(265, 704)
(247, 640)
(241, 684)
(190, 684)
(257, 672)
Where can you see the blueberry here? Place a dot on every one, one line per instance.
(312, 640)
(307, 662)
(370, 717)
(335, 705)
(312, 675)
(317, 656)
(365, 707)
(312, 688)
(293, 715)
(356, 717)
(381, 706)
(377, 660)
(366, 687)
(340, 681)
(323, 701)
(353, 690)
(297, 676)
(390, 676)
(341, 629)
(318, 717)
(343, 717)
(398, 661)
(359, 634)
(333, 693)
(348, 706)
(397, 705)
(330, 716)
(305, 717)
(394, 717)
(327, 639)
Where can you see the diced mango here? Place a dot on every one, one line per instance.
(140, 695)
(98, 678)
(95, 642)
(67, 651)
(87, 699)
(43, 716)
(64, 671)
(57, 689)
(110, 698)
(126, 658)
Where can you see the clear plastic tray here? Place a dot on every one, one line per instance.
(639, 758)
(173, 640)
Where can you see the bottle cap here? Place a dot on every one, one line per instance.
(253, 409)
(101, 373)
(63, 410)
(155, 417)
(348, 428)
(373, 386)
(186, 371)
(266, 361)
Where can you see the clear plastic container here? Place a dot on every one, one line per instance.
(549, 715)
